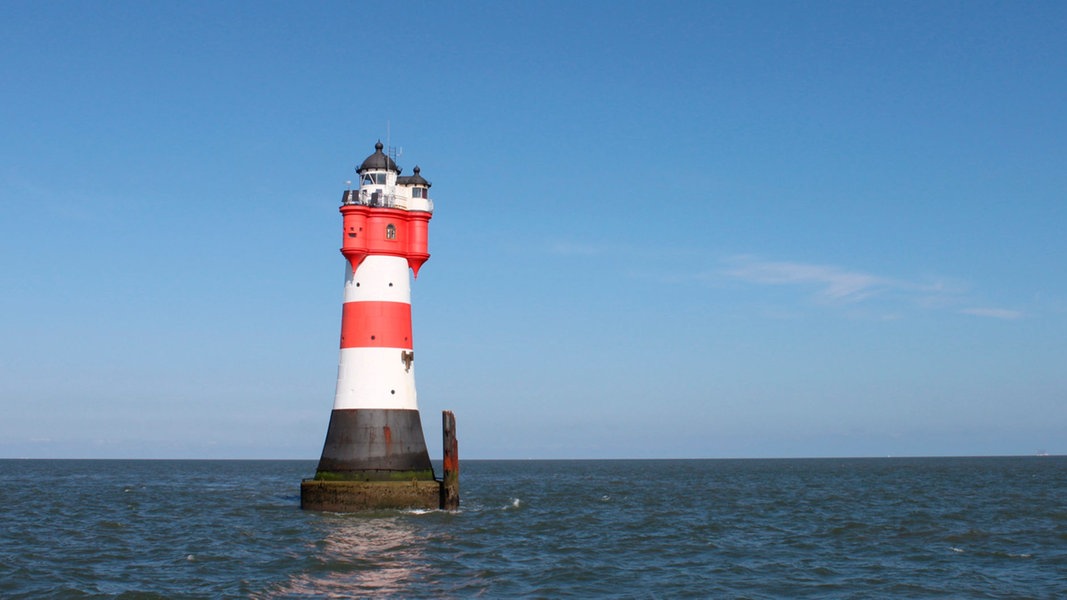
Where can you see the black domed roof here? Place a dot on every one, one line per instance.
(378, 161)
(415, 179)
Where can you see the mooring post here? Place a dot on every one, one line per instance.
(450, 482)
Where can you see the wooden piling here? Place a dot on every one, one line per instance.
(450, 481)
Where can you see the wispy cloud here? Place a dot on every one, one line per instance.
(33, 197)
(994, 313)
(840, 286)
(831, 283)
(580, 249)
(866, 294)
(568, 248)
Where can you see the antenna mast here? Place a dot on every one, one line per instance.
(391, 152)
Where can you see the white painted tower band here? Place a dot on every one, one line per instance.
(377, 377)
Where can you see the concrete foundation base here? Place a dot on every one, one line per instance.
(353, 496)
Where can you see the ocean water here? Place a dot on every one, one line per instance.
(818, 528)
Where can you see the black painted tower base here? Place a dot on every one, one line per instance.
(372, 458)
(374, 445)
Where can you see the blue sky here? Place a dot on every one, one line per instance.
(695, 229)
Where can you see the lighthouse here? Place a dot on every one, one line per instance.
(375, 452)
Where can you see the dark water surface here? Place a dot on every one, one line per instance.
(819, 528)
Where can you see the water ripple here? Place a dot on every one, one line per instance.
(976, 528)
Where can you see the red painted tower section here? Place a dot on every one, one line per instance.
(385, 232)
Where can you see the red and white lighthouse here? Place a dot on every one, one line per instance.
(375, 432)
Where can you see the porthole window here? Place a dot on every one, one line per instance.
(390, 232)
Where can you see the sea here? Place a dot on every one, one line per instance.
(791, 528)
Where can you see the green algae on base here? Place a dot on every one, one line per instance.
(421, 475)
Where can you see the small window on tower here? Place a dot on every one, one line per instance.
(390, 232)
(418, 193)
